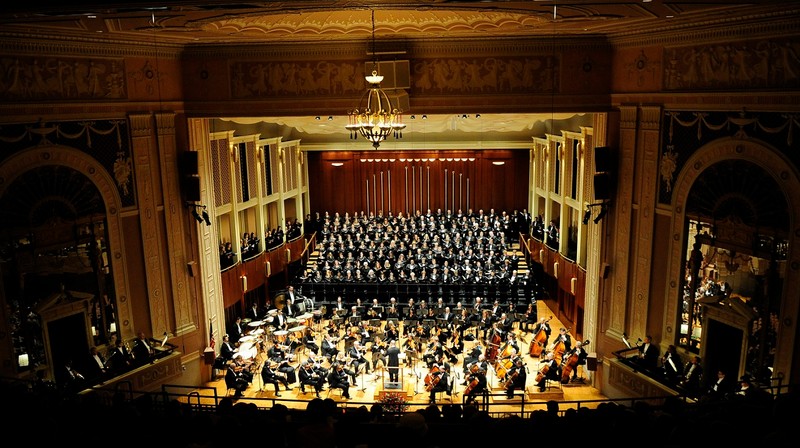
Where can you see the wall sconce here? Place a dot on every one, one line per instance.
(234, 153)
(23, 360)
(498, 163)
(337, 164)
(267, 269)
(244, 283)
(113, 327)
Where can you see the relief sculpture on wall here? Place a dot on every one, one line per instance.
(61, 78)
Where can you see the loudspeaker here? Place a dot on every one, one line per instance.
(188, 164)
(591, 362)
(603, 159)
(602, 187)
(190, 186)
(605, 270)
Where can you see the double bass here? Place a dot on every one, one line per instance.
(538, 342)
(559, 347)
(571, 363)
(494, 345)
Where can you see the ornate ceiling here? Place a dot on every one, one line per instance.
(220, 21)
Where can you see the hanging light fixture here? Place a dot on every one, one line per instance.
(375, 117)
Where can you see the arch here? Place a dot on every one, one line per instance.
(39, 156)
(786, 176)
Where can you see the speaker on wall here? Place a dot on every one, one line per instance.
(603, 159)
(189, 165)
(602, 187)
(190, 186)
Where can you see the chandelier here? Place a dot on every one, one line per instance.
(374, 118)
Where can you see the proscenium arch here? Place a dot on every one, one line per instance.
(786, 176)
(69, 157)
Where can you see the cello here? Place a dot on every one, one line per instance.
(571, 363)
(432, 379)
(473, 379)
(539, 341)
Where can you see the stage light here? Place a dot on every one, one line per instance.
(206, 218)
(587, 216)
(197, 216)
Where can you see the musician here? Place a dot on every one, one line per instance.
(237, 330)
(393, 361)
(279, 320)
(496, 309)
(692, 375)
(438, 380)
(338, 307)
(473, 356)
(543, 325)
(530, 318)
(516, 378)
(391, 332)
(376, 310)
(486, 323)
(581, 354)
(119, 359)
(270, 375)
(329, 349)
(511, 345)
(337, 379)
(227, 349)
(357, 359)
(447, 316)
(291, 302)
(505, 324)
(563, 337)
(254, 313)
(648, 353)
(310, 340)
(143, 353)
(671, 364)
(235, 379)
(96, 366)
(548, 370)
(392, 312)
(364, 331)
(316, 364)
(310, 377)
(378, 350)
(278, 354)
(433, 351)
(476, 383)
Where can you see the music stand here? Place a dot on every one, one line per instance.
(374, 322)
(354, 320)
(393, 320)
(428, 323)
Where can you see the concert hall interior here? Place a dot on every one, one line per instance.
(494, 204)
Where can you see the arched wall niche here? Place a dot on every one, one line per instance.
(786, 177)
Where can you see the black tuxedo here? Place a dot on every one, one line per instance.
(270, 376)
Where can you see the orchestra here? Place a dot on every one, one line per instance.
(310, 352)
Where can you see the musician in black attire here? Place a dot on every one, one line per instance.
(269, 375)
(551, 371)
(235, 379)
(329, 349)
(308, 376)
(516, 378)
(439, 381)
(337, 379)
(581, 353)
(358, 359)
(393, 361)
(477, 376)
(543, 325)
